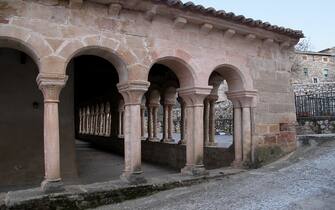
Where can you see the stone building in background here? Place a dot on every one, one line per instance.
(313, 71)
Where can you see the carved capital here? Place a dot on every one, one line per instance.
(133, 91)
(194, 96)
(246, 98)
(51, 86)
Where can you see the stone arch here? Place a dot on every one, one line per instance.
(20, 45)
(184, 71)
(24, 40)
(237, 80)
(72, 50)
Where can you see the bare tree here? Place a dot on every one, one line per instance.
(304, 45)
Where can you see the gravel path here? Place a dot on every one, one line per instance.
(306, 180)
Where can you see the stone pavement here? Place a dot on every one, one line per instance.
(304, 180)
(98, 166)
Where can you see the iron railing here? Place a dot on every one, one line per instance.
(316, 106)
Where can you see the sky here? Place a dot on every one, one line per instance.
(315, 18)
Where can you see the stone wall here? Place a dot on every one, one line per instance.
(170, 155)
(317, 126)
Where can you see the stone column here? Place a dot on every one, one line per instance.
(154, 122)
(243, 101)
(132, 93)
(120, 124)
(194, 99)
(182, 123)
(170, 122)
(165, 123)
(237, 133)
(142, 122)
(51, 87)
(211, 135)
(246, 128)
(206, 121)
(150, 136)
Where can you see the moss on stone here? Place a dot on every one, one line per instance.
(266, 154)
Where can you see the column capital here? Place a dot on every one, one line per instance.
(51, 86)
(133, 91)
(245, 98)
(212, 98)
(194, 96)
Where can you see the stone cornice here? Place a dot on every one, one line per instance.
(207, 19)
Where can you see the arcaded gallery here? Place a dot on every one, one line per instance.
(97, 90)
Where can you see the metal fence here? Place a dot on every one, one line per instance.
(315, 106)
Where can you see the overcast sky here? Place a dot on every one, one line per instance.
(315, 18)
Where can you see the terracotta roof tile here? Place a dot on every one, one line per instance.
(232, 17)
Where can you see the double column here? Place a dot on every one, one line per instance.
(243, 102)
(194, 101)
(152, 121)
(209, 120)
(168, 123)
(132, 93)
(51, 86)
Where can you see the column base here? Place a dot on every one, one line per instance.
(195, 170)
(143, 138)
(211, 144)
(154, 139)
(120, 136)
(183, 142)
(134, 178)
(167, 141)
(237, 164)
(52, 186)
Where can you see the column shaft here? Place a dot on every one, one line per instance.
(246, 133)
(154, 124)
(170, 122)
(206, 121)
(211, 134)
(142, 122)
(166, 123)
(150, 123)
(238, 134)
(51, 142)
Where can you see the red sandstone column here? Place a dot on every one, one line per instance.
(150, 122)
(165, 125)
(206, 121)
(194, 99)
(142, 122)
(132, 93)
(51, 87)
(182, 123)
(170, 123)
(154, 123)
(211, 138)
